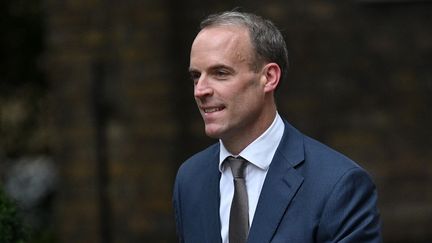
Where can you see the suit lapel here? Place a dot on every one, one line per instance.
(211, 196)
(280, 186)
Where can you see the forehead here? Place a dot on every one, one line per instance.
(229, 42)
(221, 32)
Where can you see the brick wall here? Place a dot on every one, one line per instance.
(107, 66)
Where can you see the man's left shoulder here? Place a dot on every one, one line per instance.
(325, 159)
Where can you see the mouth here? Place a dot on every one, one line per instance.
(209, 110)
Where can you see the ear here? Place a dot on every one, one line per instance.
(272, 74)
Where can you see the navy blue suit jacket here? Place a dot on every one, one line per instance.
(311, 194)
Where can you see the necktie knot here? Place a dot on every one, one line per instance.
(238, 167)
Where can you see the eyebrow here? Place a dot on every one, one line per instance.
(221, 66)
(212, 68)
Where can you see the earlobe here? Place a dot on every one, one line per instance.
(272, 73)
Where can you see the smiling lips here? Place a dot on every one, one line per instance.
(212, 109)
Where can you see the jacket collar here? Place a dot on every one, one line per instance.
(212, 196)
(280, 186)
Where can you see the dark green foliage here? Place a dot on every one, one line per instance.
(11, 227)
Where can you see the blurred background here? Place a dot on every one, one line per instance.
(97, 112)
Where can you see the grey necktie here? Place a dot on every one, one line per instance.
(239, 215)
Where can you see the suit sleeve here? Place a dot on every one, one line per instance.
(177, 210)
(350, 213)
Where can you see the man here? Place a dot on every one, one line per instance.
(286, 186)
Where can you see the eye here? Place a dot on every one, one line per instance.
(221, 73)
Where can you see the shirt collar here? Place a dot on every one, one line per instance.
(261, 151)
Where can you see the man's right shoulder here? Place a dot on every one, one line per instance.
(204, 159)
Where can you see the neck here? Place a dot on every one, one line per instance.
(236, 144)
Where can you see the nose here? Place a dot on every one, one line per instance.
(202, 88)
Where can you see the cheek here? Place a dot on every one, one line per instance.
(246, 103)
(252, 93)
(243, 92)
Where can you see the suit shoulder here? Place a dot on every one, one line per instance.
(330, 169)
(200, 160)
(326, 159)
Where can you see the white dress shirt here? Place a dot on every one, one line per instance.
(259, 154)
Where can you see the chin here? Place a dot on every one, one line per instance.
(212, 132)
(212, 135)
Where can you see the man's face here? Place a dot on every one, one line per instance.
(228, 91)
